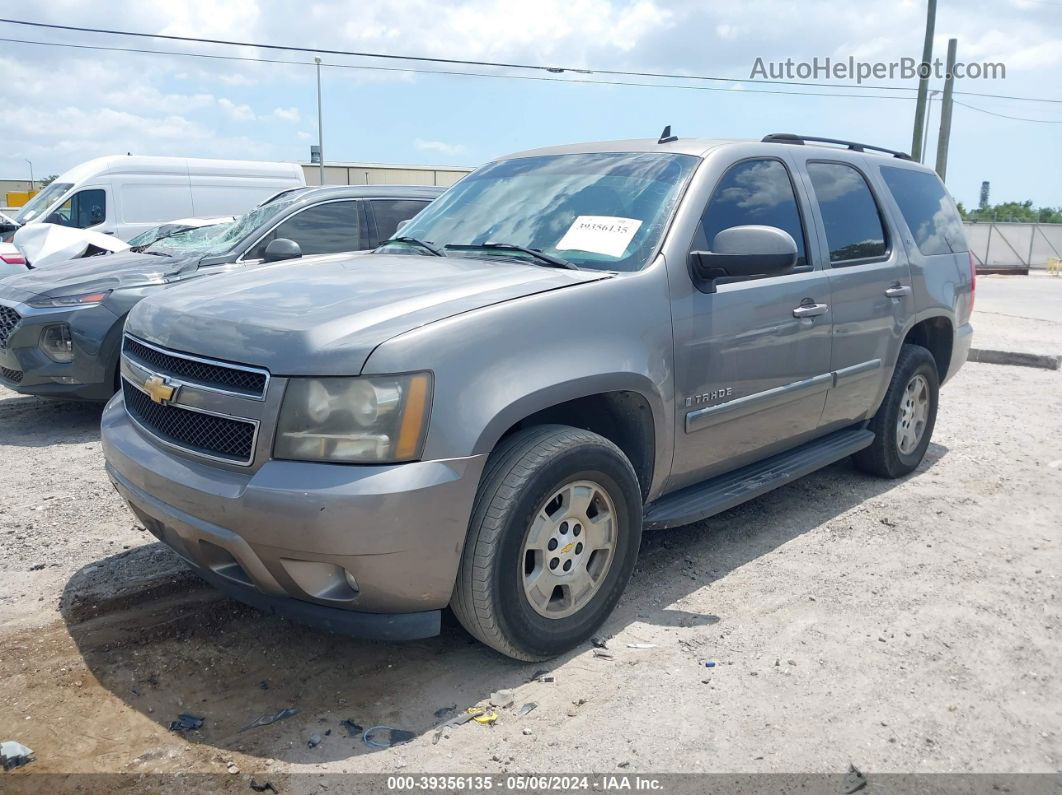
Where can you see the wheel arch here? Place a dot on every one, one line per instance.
(625, 409)
(935, 333)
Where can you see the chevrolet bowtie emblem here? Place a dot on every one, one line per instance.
(158, 390)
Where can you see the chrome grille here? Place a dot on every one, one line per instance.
(14, 376)
(235, 379)
(207, 434)
(9, 318)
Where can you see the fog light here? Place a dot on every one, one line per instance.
(57, 343)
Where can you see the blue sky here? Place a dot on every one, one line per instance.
(63, 106)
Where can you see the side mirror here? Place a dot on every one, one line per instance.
(743, 251)
(402, 225)
(281, 249)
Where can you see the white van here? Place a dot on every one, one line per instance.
(125, 195)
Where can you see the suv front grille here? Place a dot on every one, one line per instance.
(9, 318)
(216, 376)
(14, 376)
(206, 434)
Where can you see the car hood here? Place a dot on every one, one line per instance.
(92, 274)
(324, 316)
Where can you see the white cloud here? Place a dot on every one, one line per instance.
(287, 114)
(236, 112)
(441, 147)
(302, 135)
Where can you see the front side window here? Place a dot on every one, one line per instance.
(84, 209)
(389, 213)
(928, 210)
(605, 211)
(756, 192)
(324, 229)
(853, 224)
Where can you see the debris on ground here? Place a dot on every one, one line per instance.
(443, 712)
(542, 676)
(599, 642)
(354, 729)
(457, 720)
(502, 698)
(482, 716)
(604, 655)
(14, 754)
(265, 720)
(373, 737)
(264, 685)
(710, 663)
(314, 741)
(233, 769)
(526, 709)
(854, 780)
(266, 787)
(641, 645)
(186, 723)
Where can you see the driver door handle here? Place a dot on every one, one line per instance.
(811, 310)
(898, 291)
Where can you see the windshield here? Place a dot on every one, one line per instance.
(604, 211)
(41, 202)
(211, 241)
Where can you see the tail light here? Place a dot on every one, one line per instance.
(973, 280)
(13, 259)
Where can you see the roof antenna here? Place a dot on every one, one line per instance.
(666, 137)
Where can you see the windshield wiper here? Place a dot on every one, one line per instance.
(545, 259)
(416, 241)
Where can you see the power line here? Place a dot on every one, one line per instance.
(497, 64)
(1005, 116)
(448, 72)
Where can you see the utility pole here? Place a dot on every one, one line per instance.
(31, 175)
(923, 82)
(929, 123)
(945, 112)
(320, 125)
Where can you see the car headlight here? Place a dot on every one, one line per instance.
(363, 420)
(81, 299)
(57, 343)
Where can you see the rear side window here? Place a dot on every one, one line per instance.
(324, 229)
(755, 192)
(389, 213)
(853, 224)
(928, 210)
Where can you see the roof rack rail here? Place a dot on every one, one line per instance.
(800, 140)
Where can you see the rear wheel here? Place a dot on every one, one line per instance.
(552, 542)
(903, 425)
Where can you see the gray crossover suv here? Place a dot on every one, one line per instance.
(61, 326)
(570, 345)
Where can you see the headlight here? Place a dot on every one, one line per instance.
(81, 299)
(57, 343)
(370, 420)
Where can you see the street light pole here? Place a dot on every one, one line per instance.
(923, 82)
(31, 175)
(320, 125)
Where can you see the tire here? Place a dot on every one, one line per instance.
(490, 596)
(885, 457)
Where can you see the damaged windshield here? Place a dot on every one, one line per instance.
(211, 241)
(606, 210)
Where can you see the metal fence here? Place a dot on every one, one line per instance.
(1014, 245)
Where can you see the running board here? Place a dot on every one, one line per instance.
(719, 494)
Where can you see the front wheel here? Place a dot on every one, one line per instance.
(552, 542)
(904, 422)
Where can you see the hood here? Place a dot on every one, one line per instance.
(324, 316)
(91, 274)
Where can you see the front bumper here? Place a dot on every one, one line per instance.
(95, 331)
(340, 546)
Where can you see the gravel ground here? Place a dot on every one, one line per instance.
(907, 626)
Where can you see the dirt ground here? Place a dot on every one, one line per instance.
(907, 626)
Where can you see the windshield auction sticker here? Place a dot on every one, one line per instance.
(599, 234)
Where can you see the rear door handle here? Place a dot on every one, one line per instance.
(898, 291)
(811, 310)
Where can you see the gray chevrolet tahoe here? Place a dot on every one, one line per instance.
(570, 345)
